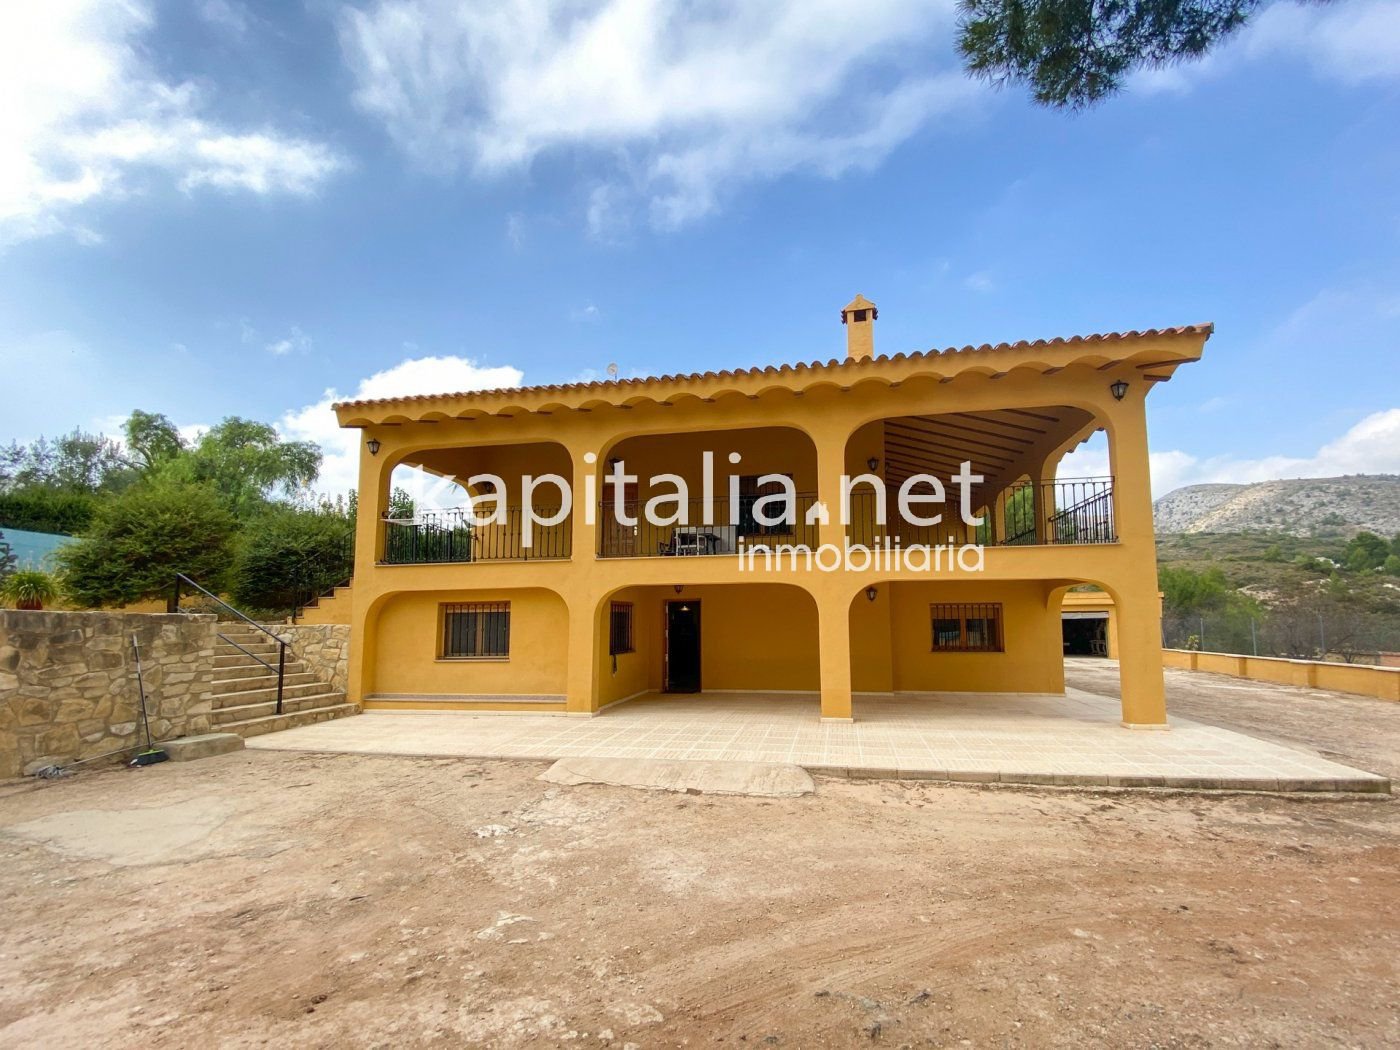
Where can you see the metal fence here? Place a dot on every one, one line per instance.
(1071, 511)
(456, 536)
(732, 526)
(1283, 633)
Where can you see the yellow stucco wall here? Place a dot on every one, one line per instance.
(1380, 682)
(407, 640)
(1033, 661)
(760, 637)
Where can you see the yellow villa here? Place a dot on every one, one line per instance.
(571, 604)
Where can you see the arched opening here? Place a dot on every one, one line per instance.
(695, 516)
(1012, 452)
(687, 640)
(1088, 612)
(463, 649)
(429, 519)
(913, 639)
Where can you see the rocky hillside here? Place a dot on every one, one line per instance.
(1299, 506)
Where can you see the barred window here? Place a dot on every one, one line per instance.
(965, 627)
(475, 629)
(620, 628)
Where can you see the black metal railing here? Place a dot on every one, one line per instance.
(1070, 511)
(457, 536)
(221, 608)
(733, 525)
(317, 575)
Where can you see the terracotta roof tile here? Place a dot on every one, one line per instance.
(785, 369)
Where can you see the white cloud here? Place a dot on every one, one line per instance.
(980, 282)
(296, 341)
(227, 15)
(1372, 446)
(679, 103)
(85, 118)
(423, 375)
(1351, 42)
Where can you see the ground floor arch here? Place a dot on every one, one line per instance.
(753, 637)
(916, 637)
(464, 649)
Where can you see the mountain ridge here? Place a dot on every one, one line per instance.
(1296, 506)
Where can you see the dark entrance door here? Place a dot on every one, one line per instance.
(683, 647)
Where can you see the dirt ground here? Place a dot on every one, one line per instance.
(287, 899)
(1354, 730)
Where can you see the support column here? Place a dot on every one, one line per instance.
(834, 640)
(831, 465)
(372, 500)
(582, 680)
(584, 529)
(1139, 645)
(1139, 610)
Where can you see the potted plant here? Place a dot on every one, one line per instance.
(28, 588)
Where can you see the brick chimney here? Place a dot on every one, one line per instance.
(859, 319)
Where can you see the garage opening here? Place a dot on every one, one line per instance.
(1085, 633)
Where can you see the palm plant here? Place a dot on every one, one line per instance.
(28, 588)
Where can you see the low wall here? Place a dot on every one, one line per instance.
(324, 647)
(1364, 680)
(68, 684)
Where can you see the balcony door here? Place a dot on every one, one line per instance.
(682, 649)
(619, 540)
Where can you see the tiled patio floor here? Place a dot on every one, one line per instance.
(1009, 738)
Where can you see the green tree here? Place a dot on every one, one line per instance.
(139, 540)
(287, 556)
(1073, 53)
(75, 462)
(152, 438)
(1366, 551)
(40, 508)
(246, 463)
(1187, 591)
(1392, 565)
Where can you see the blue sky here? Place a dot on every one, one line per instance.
(226, 207)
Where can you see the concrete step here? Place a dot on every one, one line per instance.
(224, 716)
(250, 669)
(233, 658)
(253, 696)
(260, 681)
(262, 646)
(274, 723)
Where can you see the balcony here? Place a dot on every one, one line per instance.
(454, 536)
(736, 524)
(1072, 511)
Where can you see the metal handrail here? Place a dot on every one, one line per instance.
(281, 642)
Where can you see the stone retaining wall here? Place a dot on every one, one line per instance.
(325, 648)
(68, 683)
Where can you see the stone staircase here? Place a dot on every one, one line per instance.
(245, 692)
(329, 608)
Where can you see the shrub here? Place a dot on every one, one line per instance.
(141, 538)
(288, 556)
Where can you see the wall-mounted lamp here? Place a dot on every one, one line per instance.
(870, 593)
(373, 445)
(873, 463)
(1119, 389)
(680, 587)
